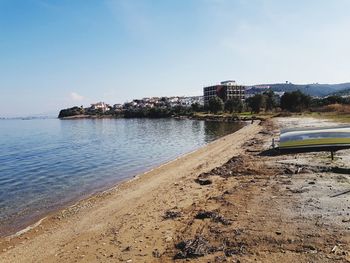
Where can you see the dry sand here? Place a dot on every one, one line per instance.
(255, 207)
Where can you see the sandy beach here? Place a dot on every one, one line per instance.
(230, 201)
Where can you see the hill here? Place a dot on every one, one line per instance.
(316, 90)
(344, 92)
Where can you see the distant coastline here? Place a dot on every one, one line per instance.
(200, 117)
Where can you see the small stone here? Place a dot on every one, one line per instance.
(168, 238)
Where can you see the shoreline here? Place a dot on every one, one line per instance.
(139, 181)
(225, 202)
(20, 221)
(213, 118)
(34, 221)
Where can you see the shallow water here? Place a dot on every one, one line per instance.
(46, 164)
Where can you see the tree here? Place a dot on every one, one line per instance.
(234, 105)
(295, 101)
(216, 104)
(256, 102)
(270, 102)
(196, 107)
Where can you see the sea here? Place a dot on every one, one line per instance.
(46, 164)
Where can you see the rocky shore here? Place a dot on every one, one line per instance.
(230, 201)
(217, 118)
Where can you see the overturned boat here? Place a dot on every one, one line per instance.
(315, 139)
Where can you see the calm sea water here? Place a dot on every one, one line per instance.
(46, 164)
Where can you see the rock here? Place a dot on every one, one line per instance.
(203, 181)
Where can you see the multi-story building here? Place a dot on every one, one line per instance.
(225, 90)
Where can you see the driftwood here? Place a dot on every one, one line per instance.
(341, 193)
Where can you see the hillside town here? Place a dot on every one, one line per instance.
(225, 90)
(149, 103)
(226, 96)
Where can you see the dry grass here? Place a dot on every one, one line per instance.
(340, 108)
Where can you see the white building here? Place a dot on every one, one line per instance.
(100, 105)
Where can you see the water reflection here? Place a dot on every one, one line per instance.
(213, 130)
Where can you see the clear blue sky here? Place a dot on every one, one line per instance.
(61, 53)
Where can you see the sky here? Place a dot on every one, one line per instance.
(61, 53)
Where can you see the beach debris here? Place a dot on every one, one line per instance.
(230, 252)
(202, 181)
(266, 132)
(171, 214)
(156, 253)
(340, 170)
(303, 168)
(341, 193)
(214, 216)
(219, 259)
(233, 167)
(128, 248)
(297, 191)
(287, 170)
(193, 248)
(337, 250)
(229, 192)
(310, 247)
(234, 248)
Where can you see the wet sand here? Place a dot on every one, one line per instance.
(230, 201)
